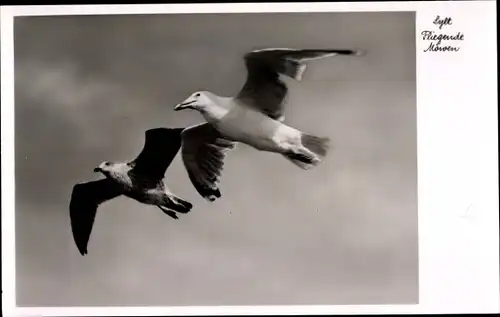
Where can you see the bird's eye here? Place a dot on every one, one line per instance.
(107, 163)
(197, 95)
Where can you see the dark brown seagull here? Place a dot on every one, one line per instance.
(140, 179)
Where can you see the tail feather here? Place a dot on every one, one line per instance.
(315, 144)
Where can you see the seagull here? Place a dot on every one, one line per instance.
(254, 117)
(140, 179)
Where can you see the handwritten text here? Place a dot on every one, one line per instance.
(436, 38)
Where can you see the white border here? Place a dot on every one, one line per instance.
(457, 161)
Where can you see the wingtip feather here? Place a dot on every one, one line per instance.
(214, 196)
(359, 52)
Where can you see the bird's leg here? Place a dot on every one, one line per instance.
(302, 155)
(180, 204)
(168, 212)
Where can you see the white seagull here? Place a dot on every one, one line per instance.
(254, 116)
(140, 179)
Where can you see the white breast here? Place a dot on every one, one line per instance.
(249, 126)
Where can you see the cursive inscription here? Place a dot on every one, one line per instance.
(442, 22)
(436, 38)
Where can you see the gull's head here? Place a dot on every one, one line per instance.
(199, 100)
(104, 167)
(113, 169)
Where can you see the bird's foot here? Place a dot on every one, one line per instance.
(169, 212)
(181, 205)
(305, 161)
(303, 157)
(315, 161)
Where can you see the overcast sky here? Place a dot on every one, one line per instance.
(87, 87)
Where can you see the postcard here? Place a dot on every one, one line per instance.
(248, 159)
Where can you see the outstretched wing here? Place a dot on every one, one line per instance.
(85, 199)
(160, 148)
(203, 153)
(263, 88)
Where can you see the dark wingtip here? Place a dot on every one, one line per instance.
(205, 192)
(212, 195)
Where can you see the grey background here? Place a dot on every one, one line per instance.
(87, 87)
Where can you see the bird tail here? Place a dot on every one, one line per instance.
(317, 145)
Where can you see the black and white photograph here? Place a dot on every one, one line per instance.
(206, 156)
(241, 159)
